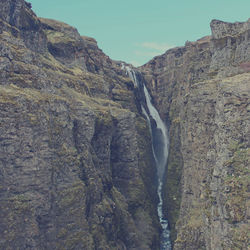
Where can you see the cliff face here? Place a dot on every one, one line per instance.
(202, 90)
(76, 164)
(76, 167)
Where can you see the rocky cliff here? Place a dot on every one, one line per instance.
(76, 164)
(76, 167)
(203, 91)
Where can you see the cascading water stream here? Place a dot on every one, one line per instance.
(160, 145)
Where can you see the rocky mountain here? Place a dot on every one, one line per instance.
(203, 91)
(76, 164)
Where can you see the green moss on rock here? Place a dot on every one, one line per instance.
(172, 187)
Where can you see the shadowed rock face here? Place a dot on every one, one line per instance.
(76, 166)
(202, 90)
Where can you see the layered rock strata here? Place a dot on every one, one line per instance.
(76, 163)
(202, 90)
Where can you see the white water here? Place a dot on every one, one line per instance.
(131, 74)
(160, 145)
(162, 158)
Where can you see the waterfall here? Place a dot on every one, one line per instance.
(160, 145)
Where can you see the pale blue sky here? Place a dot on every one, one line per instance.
(136, 30)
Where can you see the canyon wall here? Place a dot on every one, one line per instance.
(202, 90)
(76, 165)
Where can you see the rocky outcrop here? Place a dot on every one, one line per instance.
(202, 91)
(230, 47)
(73, 50)
(76, 166)
(17, 18)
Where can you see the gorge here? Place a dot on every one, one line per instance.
(160, 147)
(78, 166)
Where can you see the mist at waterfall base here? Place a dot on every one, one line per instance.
(160, 145)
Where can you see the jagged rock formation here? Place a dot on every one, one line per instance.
(76, 165)
(203, 91)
